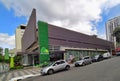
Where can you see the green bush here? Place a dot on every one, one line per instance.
(18, 58)
(17, 67)
(7, 61)
(13, 68)
(43, 64)
(1, 58)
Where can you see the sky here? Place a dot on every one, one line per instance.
(85, 16)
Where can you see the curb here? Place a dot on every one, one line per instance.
(23, 77)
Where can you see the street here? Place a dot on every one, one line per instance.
(106, 70)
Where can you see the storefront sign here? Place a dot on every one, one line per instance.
(43, 41)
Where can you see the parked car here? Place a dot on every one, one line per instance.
(118, 53)
(84, 61)
(106, 55)
(55, 66)
(97, 58)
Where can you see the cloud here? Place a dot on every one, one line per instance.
(102, 36)
(77, 15)
(7, 41)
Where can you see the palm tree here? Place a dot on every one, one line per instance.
(116, 33)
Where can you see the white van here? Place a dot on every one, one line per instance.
(106, 55)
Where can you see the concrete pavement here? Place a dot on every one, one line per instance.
(106, 70)
(19, 73)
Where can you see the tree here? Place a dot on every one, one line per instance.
(116, 33)
(1, 58)
(1, 50)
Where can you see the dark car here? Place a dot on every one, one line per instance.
(97, 58)
(118, 53)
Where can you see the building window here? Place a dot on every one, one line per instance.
(54, 48)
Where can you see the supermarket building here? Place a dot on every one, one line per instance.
(42, 42)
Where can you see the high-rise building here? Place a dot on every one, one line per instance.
(110, 26)
(18, 36)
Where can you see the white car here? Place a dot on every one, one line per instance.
(84, 61)
(106, 55)
(56, 66)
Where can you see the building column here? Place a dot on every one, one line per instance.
(25, 60)
(33, 61)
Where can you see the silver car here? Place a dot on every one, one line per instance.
(84, 61)
(56, 66)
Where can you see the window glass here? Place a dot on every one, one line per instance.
(86, 58)
(62, 62)
(57, 63)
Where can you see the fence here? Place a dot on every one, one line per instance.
(4, 67)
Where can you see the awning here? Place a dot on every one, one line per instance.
(27, 53)
(57, 52)
(117, 49)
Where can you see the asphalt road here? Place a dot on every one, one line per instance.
(107, 70)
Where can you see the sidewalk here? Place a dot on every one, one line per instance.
(19, 73)
(23, 73)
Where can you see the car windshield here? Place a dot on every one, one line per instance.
(48, 64)
(96, 56)
(85, 57)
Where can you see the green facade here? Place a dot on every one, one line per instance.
(43, 42)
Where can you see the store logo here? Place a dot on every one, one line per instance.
(44, 51)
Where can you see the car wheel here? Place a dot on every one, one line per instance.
(91, 62)
(83, 64)
(76, 65)
(67, 67)
(50, 71)
(41, 74)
